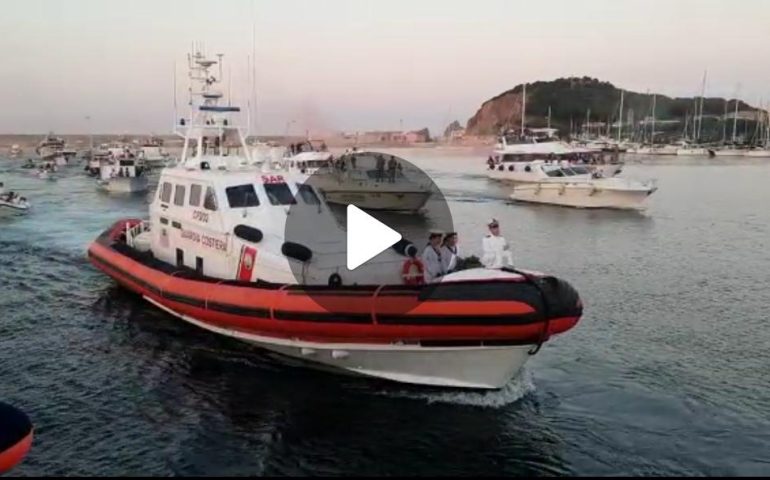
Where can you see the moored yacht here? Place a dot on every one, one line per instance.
(214, 253)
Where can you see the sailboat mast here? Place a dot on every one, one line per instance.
(253, 70)
(652, 135)
(549, 116)
(702, 94)
(620, 116)
(523, 106)
(735, 119)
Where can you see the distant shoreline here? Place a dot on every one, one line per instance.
(82, 141)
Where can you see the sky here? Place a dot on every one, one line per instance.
(358, 65)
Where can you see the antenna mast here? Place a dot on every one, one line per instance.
(253, 68)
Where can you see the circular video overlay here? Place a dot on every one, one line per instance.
(369, 235)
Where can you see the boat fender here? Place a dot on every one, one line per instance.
(15, 436)
(410, 275)
(335, 280)
(405, 247)
(296, 251)
(250, 234)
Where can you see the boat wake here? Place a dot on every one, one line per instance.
(511, 393)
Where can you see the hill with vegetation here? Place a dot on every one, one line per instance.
(575, 100)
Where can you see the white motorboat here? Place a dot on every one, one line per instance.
(511, 160)
(46, 171)
(214, 253)
(726, 151)
(574, 187)
(98, 159)
(685, 148)
(306, 157)
(51, 150)
(13, 204)
(757, 152)
(122, 176)
(15, 151)
(152, 154)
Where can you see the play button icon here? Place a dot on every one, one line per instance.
(355, 227)
(366, 237)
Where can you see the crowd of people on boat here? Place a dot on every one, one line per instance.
(577, 158)
(441, 254)
(386, 169)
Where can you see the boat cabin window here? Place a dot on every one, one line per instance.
(179, 196)
(210, 201)
(242, 196)
(279, 194)
(165, 192)
(307, 194)
(555, 173)
(580, 170)
(195, 195)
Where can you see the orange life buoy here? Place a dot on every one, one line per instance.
(408, 273)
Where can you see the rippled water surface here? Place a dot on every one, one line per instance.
(667, 373)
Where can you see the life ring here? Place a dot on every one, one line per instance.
(408, 273)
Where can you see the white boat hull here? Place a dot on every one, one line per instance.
(757, 153)
(458, 367)
(8, 210)
(582, 196)
(692, 152)
(125, 184)
(391, 201)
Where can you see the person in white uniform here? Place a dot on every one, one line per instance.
(431, 258)
(449, 252)
(497, 252)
